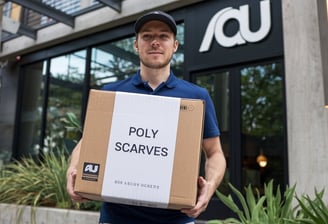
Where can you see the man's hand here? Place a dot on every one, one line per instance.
(71, 177)
(202, 199)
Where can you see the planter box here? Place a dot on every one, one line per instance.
(11, 213)
(16, 214)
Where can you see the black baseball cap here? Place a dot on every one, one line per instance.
(156, 15)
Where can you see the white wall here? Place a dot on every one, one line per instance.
(307, 119)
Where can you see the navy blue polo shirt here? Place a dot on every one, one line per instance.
(173, 87)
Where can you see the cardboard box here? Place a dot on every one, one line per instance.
(141, 150)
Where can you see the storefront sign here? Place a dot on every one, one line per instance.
(215, 28)
(230, 32)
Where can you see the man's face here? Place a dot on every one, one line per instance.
(155, 44)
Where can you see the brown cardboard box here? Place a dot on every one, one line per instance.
(141, 150)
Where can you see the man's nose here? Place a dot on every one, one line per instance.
(155, 41)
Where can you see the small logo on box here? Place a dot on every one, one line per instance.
(90, 171)
(187, 107)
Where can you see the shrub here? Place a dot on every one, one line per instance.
(256, 209)
(41, 181)
(36, 182)
(312, 211)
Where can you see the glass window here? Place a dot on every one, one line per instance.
(217, 83)
(46, 99)
(262, 124)
(112, 62)
(64, 95)
(31, 109)
(177, 61)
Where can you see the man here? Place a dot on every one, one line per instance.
(156, 43)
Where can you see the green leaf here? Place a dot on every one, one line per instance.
(250, 198)
(286, 208)
(306, 210)
(228, 201)
(242, 201)
(258, 209)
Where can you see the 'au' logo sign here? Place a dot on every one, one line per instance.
(90, 171)
(91, 168)
(244, 35)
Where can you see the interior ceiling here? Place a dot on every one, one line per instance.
(37, 14)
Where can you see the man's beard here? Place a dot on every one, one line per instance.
(154, 65)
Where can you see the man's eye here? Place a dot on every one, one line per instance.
(164, 36)
(147, 37)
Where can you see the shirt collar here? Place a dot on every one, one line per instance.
(171, 82)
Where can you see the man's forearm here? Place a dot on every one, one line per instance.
(74, 158)
(215, 164)
(214, 170)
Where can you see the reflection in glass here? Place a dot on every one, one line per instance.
(177, 61)
(217, 85)
(31, 110)
(65, 95)
(262, 124)
(112, 62)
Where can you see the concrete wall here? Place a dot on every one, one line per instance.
(307, 119)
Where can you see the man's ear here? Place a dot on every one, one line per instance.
(176, 45)
(135, 44)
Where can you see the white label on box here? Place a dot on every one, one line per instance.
(141, 150)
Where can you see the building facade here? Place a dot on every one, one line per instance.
(263, 63)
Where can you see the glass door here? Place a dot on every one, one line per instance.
(50, 90)
(250, 109)
(262, 125)
(218, 85)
